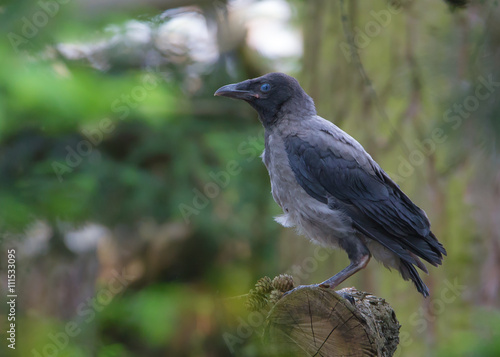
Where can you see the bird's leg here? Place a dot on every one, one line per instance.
(358, 254)
(351, 269)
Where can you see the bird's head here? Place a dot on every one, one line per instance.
(271, 95)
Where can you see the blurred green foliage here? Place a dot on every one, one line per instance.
(175, 176)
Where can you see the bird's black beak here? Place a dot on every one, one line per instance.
(236, 91)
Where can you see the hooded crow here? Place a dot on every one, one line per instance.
(331, 189)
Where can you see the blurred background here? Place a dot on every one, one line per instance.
(137, 204)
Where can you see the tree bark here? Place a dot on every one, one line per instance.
(314, 321)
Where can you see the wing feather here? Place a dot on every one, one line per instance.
(344, 176)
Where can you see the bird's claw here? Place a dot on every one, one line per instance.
(347, 296)
(344, 295)
(324, 286)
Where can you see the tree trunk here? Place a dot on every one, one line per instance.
(314, 321)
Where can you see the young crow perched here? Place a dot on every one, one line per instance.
(331, 189)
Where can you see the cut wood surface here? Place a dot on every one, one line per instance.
(313, 321)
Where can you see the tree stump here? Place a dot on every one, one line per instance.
(313, 321)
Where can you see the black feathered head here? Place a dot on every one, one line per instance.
(271, 95)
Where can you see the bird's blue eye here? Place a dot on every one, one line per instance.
(265, 87)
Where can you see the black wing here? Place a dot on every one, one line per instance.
(346, 180)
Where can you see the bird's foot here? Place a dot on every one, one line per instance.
(323, 285)
(306, 286)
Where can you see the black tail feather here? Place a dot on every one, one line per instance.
(408, 271)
